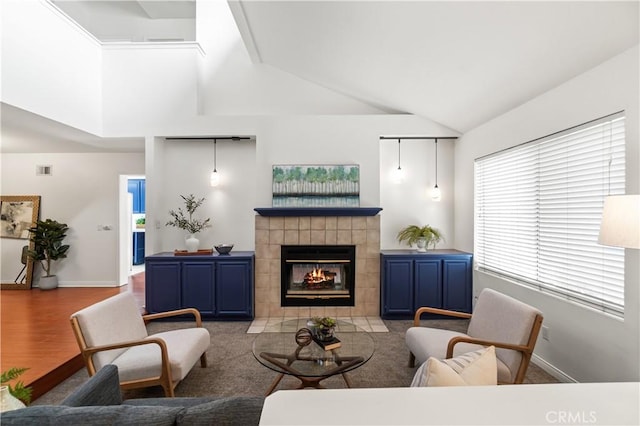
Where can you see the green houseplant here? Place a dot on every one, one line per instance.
(18, 390)
(47, 236)
(187, 222)
(422, 236)
(324, 327)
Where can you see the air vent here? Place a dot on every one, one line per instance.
(44, 170)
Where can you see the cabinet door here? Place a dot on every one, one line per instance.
(397, 287)
(198, 287)
(162, 286)
(137, 188)
(234, 289)
(428, 286)
(457, 284)
(142, 192)
(138, 248)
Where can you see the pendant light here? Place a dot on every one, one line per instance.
(398, 174)
(214, 179)
(436, 194)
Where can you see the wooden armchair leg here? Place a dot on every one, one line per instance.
(412, 360)
(168, 389)
(203, 360)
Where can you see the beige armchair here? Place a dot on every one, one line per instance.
(113, 332)
(499, 320)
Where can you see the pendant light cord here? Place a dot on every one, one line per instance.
(398, 153)
(436, 162)
(214, 155)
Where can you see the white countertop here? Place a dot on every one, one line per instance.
(539, 404)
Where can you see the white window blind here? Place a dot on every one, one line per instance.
(538, 208)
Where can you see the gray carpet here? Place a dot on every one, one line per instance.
(233, 370)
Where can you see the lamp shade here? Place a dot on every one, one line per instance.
(620, 224)
(214, 179)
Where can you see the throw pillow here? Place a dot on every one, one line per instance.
(473, 368)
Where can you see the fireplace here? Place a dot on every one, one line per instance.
(322, 275)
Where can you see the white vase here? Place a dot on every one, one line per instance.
(421, 244)
(9, 402)
(192, 243)
(48, 283)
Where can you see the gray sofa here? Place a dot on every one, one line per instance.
(99, 402)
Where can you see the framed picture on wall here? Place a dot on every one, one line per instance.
(316, 185)
(17, 215)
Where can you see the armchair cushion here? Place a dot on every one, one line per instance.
(113, 320)
(500, 318)
(432, 342)
(184, 346)
(473, 368)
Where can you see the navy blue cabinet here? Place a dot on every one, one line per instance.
(438, 278)
(162, 286)
(234, 289)
(137, 188)
(138, 248)
(220, 287)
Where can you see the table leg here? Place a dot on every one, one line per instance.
(347, 380)
(274, 384)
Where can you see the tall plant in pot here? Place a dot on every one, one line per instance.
(187, 222)
(47, 236)
(421, 236)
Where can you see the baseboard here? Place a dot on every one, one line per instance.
(555, 372)
(76, 284)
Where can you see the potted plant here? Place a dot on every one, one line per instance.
(324, 327)
(140, 222)
(47, 236)
(187, 222)
(16, 396)
(422, 236)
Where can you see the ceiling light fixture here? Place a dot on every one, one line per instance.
(398, 174)
(214, 179)
(436, 194)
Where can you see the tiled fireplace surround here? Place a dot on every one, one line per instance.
(273, 231)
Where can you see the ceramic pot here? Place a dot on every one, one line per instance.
(421, 244)
(48, 283)
(192, 243)
(9, 402)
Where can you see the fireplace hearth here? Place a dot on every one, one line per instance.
(322, 275)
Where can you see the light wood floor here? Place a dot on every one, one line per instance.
(35, 331)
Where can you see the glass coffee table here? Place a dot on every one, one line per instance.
(277, 349)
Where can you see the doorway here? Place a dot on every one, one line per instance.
(132, 226)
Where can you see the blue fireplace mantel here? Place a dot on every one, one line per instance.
(317, 211)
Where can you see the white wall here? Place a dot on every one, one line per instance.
(585, 345)
(183, 167)
(409, 202)
(83, 193)
(50, 66)
(149, 83)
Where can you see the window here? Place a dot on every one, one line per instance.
(538, 208)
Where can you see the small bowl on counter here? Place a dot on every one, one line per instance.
(223, 248)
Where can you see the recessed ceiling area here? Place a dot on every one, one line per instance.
(134, 21)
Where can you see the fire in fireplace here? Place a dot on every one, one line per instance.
(318, 275)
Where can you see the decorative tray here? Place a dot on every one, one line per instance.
(192, 253)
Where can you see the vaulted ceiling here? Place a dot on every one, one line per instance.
(458, 63)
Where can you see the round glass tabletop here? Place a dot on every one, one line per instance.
(276, 348)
